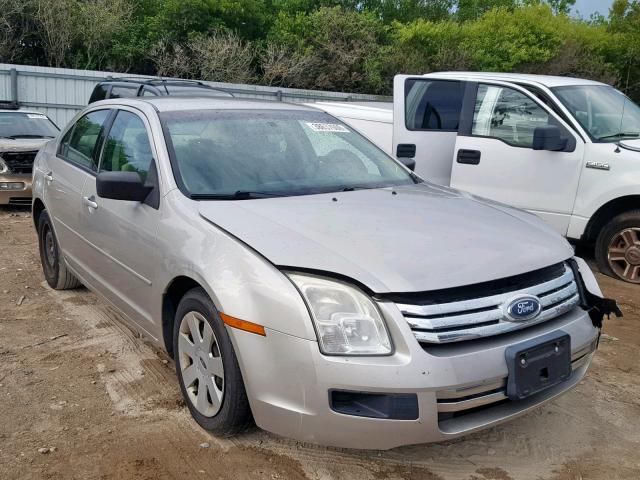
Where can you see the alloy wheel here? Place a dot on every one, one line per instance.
(201, 364)
(623, 254)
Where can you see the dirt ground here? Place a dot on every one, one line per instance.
(76, 383)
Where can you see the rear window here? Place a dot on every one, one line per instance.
(120, 91)
(433, 104)
(99, 93)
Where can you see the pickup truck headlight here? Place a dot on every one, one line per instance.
(4, 168)
(347, 321)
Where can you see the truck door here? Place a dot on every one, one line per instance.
(426, 116)
(497, 157)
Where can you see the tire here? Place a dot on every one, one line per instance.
(618, 247)
(55, 270)
(223, 409)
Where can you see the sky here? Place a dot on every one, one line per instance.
(587, 7)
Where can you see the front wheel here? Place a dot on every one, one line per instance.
(207, 367)
(618, 247)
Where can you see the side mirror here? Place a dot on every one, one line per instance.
(122, 186)
(410, 163)
(549, 137)
(405, 153)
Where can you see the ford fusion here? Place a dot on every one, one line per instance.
(304, 280)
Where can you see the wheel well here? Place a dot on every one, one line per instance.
(607, 212)
(170, 300)
(37, 208)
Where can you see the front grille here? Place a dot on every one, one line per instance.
(19, 162)
(453, 318)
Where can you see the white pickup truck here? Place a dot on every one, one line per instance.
(566, 149)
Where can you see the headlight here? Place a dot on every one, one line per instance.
(347, 321)
(4, 168)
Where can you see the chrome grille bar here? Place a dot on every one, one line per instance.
(485, 316)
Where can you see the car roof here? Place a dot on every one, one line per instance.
(169, 104)
(549, 81)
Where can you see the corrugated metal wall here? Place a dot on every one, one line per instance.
(61, 92)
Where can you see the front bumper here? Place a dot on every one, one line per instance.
(20, 196)
(288, 382)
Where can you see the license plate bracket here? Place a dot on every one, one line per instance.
(538, 364)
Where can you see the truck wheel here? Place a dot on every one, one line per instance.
(207, 367)
(618, 247)
(55, 270)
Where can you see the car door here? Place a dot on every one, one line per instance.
(75, 161)
(495, 156)
(122, 234)
(426, 118)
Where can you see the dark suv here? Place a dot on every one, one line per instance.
(125, 87)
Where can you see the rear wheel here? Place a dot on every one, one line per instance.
(55, 270)
(618, 247)
(207, 367)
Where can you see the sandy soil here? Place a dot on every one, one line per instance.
(74, 380)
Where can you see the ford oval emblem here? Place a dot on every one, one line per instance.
(523, 308)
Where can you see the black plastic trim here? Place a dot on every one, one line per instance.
(386, 406)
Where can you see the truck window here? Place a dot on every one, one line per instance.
(433, 104)
(507, 115)
(99, 92)
(120, 91)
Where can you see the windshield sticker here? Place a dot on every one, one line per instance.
(36, 115)
(327, 127)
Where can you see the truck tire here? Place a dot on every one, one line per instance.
(55, 270)
(207, 367)
(618, 247)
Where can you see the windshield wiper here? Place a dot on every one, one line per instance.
(238, 195)
(620, 135)
(26, 135)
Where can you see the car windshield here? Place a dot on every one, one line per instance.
(242, 154)
(15, 125)
(604, 112)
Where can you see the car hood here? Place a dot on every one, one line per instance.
(22, 144)
(422, 238)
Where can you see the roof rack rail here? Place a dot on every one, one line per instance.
(155, 81)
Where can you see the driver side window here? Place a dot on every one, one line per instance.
(508, 115)
(127, 147)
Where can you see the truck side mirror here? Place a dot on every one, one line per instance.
(405, 153)
(410, 163)
(548, 137)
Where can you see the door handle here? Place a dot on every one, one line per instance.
(48, 177)
(468, 157)
(90, 202)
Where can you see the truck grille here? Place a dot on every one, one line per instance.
(452, 316)
(19, 162)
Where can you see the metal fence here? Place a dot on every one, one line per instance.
(61, 92)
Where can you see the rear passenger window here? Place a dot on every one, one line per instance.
(79, 145)
(118, 91)
(433, 104)
(127, 147)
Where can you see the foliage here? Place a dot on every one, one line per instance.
(350, 45)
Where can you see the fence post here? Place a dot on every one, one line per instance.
(279, 95)
(13, 74)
